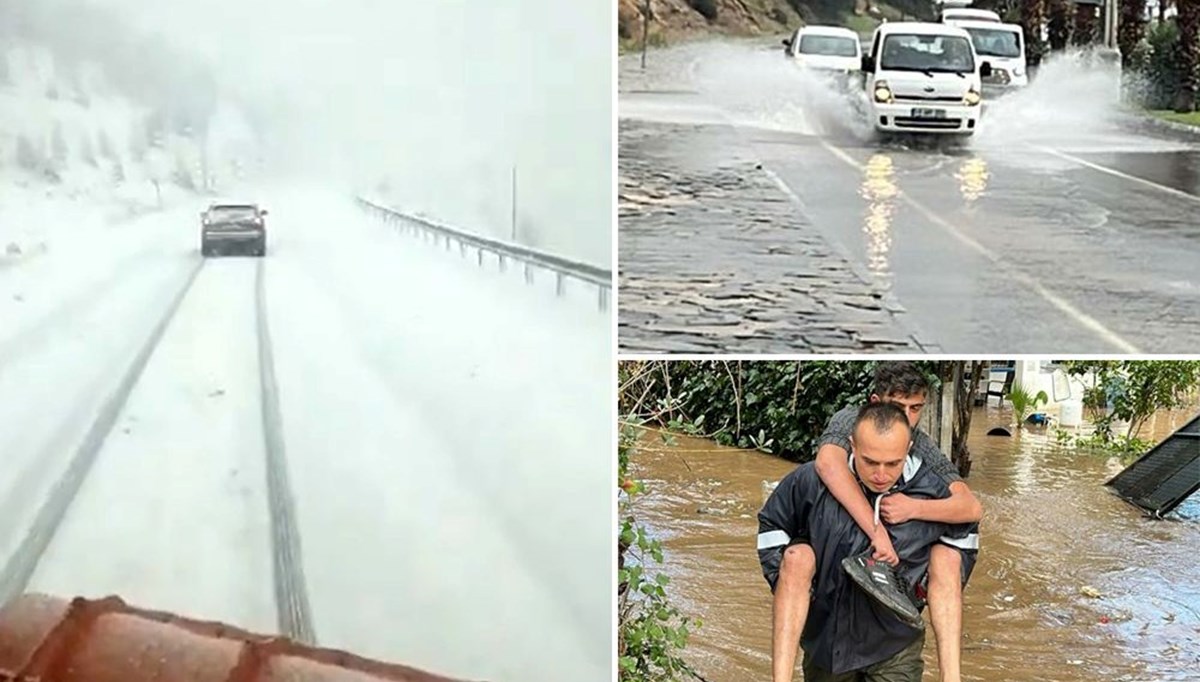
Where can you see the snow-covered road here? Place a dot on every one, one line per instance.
(446, 431)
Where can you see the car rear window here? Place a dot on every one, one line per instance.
(833, 46)
(234, 212)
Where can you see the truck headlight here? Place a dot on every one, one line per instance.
(973, 98)
(883, 94)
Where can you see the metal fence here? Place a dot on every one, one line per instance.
(531, 259)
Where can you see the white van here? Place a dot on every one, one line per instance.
(960, 10)
(825, 48)
(1003, 47)
(923, 77)
(967, 14)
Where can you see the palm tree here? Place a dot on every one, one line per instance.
(1024, 402)
(1085, 25)
(1163, 6)
(1059, 24)
(1033, 16)
(1130, 29)
(1188, 55)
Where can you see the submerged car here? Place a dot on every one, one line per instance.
(923, 78)
(233, 227)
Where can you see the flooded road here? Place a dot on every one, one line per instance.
(1064, 211)
(1050, 529)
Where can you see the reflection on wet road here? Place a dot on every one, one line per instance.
(977, 240)
(1052, 535)
(880, 191)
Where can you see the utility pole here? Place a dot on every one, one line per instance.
(1110, 23)
(204, 159)
(645, 31)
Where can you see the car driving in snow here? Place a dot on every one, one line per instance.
(227, 227)
(923, 77)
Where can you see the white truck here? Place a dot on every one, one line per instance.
(924, 78)
(961, 10)
(1003, 47)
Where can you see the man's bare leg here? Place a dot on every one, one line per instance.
(792, 593)
(945, 609)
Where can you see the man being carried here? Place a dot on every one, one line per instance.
(807, 538)
(901, 384)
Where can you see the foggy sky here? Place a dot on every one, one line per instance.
(439, 97)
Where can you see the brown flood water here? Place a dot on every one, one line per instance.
(1050, 528)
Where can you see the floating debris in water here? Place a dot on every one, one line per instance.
(1089, 591)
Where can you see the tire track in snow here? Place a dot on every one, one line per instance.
(20, 567)
(513, 522)
(291, 592)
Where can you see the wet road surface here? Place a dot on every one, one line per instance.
(1056, 229)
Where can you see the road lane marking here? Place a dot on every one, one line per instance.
(1080, 317)
(1118, 174)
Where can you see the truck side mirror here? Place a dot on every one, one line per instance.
(985, 70)
(868, 64)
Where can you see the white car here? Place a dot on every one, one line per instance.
(923, 77)
(1003, 47)
(827, 49)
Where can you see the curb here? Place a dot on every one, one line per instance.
(1150, 121)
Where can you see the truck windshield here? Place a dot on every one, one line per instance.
(996, 42)
(914, 52)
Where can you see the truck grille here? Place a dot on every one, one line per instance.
(929, 123)
(917, 99)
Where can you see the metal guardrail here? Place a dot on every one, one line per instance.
(563, 268)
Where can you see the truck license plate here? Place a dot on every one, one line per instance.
(929, 113)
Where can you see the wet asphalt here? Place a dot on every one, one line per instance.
(1044, 235)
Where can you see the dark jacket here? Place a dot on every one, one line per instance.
(846, 630)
